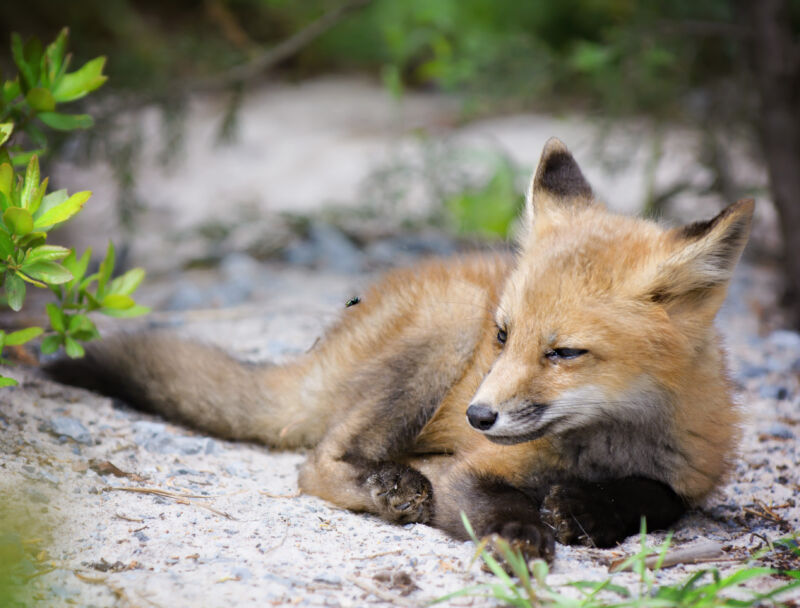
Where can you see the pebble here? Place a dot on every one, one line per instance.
(780, 430)
(237, 469)
(328, 578)
(63, 426)
(154, 437)
(785, 339)
(327, 248)
(771, 391)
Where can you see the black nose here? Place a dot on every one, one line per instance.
(481, 417)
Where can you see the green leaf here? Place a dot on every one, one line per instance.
(49, 272)
(106, 268)
(74, 350)
(117, 301)
(23, 335)
(133, 311)
(81, 82)
(64, 211)
(31, 183)
(32, 240)
(6, 129)
(36, 200)
(11, 90)
(77, 266)
(33, 56)
(51, 200)
(55, 55)
(41, 99)
(6, 245)
(51, 343)
(128, 282)
(66, 122)
(56, 317)
(18, 53)
(4, 202)
(20, 158)
(6, 178)
(15, 291)
(18, 220)
(6, 381)
(46, 252)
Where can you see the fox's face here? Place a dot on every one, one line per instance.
(603, 314)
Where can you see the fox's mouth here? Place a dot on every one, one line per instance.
(527, 421)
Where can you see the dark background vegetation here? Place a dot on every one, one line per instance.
(723, 67)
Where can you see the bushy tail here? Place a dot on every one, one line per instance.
(198, 385)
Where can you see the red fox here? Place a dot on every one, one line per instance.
(559, 393)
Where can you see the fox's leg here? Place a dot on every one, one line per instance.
(493, 506)
(604, 513)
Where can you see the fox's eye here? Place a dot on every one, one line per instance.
(565, 353)
(502, 336)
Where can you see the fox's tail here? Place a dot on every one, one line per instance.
(201, 386)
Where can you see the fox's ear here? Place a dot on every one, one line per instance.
(703, 256)
(557, 182)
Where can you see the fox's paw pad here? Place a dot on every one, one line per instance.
(582, 514)
(401, 494)
(532, 540)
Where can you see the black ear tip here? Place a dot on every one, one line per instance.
(559, 174)
(554, 146)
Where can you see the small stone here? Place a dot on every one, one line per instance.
(785, 339)
(71, 428)
(780, 431)
(143, 538)
(237, 469)
(328, 578)
(771, 391)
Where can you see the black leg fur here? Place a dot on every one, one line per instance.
(605, 513)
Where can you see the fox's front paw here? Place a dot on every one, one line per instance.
(401, 494)
(583, 514)
(533, 540)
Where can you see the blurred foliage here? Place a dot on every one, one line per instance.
(616, 56)
(668, 60)
(490, 209)
(30, 103)
(23, 554)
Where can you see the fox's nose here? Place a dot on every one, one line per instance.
(481, 417)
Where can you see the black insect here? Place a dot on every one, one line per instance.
(352, 301)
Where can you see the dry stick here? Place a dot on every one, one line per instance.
(266, 60)
(707, 551)
(381, 554)
(285, 49)
(179, 498)
(393, 599)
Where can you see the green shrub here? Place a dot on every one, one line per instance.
(29, 107)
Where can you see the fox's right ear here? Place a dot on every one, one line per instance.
(557, 183)
(703, 256)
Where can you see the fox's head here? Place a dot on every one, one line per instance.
(605, 317)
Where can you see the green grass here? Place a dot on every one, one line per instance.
(518, 584)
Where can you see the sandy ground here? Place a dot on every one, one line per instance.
(187, 520)
(181, 519)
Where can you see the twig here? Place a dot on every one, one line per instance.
(285, 49)
(179, 498)
(707, 551)
(270, 495)
(393, 599)
(381, 554)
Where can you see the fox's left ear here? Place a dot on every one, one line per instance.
(703, 255)
(557, 183)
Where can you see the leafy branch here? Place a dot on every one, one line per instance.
(29, 105)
